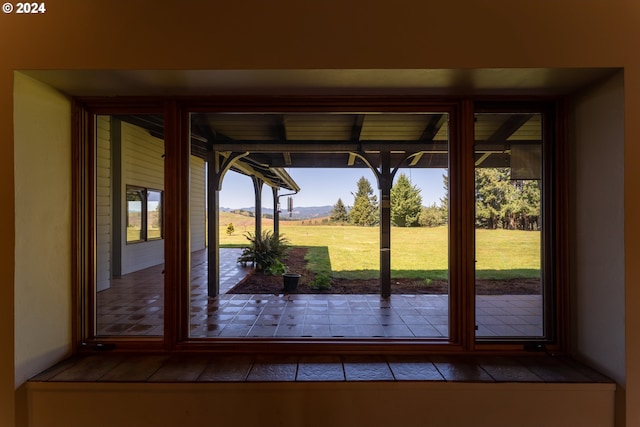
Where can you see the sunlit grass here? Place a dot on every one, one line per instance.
(353, 252)
(134, 234)
(507, 249)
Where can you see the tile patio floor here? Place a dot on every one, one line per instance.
(133, 306)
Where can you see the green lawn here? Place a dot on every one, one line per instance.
(133, 234)
(353, 252)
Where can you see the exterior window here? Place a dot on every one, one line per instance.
(154, 214)
(144, 214)
(512, 289)
(386, 166)
(465, 248)
(127, 228)
(135, 223)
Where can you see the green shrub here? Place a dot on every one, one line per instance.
(321, 282)
(276, 269)
(265, 251)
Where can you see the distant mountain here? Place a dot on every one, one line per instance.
(301, 212)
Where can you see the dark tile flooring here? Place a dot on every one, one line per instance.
(212, 368)
(134, 303)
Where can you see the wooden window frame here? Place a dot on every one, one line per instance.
(554, 262)
(176, 224)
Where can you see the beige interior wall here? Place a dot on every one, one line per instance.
(598, 259)
(7, 254)
(632, 242)
(43, 225)
(598, 247)
(321, 404)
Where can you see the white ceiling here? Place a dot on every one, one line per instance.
(531, 81)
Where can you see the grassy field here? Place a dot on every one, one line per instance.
(133, 234)
(353, 252)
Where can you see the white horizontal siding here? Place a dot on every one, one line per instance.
(103, 203)
(197, 205)
(142, 255)
(142, 166)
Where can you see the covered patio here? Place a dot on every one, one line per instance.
(126, 310)
(129, 291)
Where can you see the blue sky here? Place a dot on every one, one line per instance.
(320, 187)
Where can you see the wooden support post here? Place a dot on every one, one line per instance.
(276, 213)
(257, 188)
(213, 222)
(385, 181)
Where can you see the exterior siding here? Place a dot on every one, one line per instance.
(198, 204)
(104, 192)
(143, 166)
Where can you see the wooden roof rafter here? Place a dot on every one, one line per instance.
(508, 128)
(356, 130)
(285, 140)
(281, 132)
(500, 138)
(433, 127)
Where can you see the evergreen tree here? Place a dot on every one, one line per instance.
(433, 216)
(406, 203)
(365, 205)
(531, 195)
(444, 202)
(522, 208)
(339, 213)
(505, 203)
(492, 187)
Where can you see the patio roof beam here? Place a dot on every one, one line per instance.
(482, 158)
(331, 146)
(328, 146)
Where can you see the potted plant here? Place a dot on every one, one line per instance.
(290, 281)
(265, 253)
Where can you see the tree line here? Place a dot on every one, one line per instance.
(406, 207)
(500, 203)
